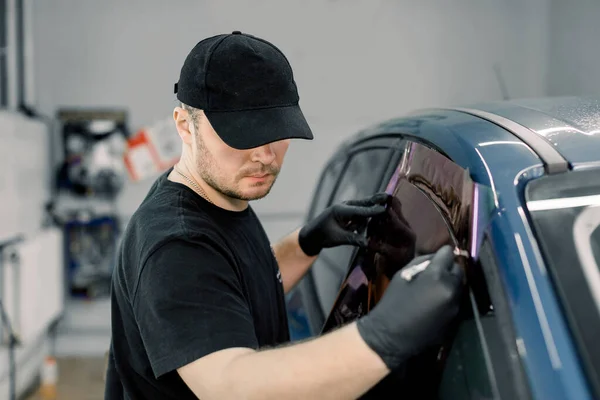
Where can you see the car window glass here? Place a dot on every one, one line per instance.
(468, 367)
(362, 175)
(361, 178)
(325, 188)
(431, 207)
(411, 226)
(565, 216)
(466, 374)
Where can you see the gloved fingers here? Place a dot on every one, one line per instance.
(420, 259)
(350, 211)
(440, 263)
(354, 223)
(396, 208)
(458, 273)
(377, 199)
(355, 239)
(443, 259)
(455, 284)
(401, 228)
(342, 236)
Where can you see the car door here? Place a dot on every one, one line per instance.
(442, 206)
(484, 361)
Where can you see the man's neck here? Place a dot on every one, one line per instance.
(211, 195)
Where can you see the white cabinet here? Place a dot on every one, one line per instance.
(32, 292)
(33, 283)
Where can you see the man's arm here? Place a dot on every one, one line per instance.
(293, 262)
(338, 365)
(343, 364)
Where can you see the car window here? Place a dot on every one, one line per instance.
(362, 175)
(430, 195)
(371, 271)
(329, 178)
(565, 214)
(361, 178)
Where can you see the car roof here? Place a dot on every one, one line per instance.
(561, 133)
(487, 150)
(570, 124)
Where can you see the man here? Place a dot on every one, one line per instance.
(198, 305)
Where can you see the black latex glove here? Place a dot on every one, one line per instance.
(413, 315)
(391, 235)
(340, 224)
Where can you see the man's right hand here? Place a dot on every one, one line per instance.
(414, 314)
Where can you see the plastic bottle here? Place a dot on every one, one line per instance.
(49, 379)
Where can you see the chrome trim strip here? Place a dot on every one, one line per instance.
(553, 161)
(539, 308)
(565, 202)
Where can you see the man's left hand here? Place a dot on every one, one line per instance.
(341, 224)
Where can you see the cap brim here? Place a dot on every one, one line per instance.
(253, 128)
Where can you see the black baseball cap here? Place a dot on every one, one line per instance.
(246, 88)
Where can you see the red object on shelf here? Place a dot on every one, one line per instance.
(152, 150)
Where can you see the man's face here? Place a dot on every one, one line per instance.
(239, 174)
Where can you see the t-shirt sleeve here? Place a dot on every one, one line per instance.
(189, 303)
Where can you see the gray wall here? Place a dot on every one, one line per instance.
(355, 62)
(574, 61)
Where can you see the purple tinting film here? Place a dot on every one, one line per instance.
(411, 152)
(481, 214)
(357, 278)
(393, 181)
(475, 219)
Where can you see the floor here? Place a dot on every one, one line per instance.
(79, 378)
(83, 336)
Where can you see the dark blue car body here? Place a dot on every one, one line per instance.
(507, 146)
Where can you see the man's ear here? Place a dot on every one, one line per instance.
(181, 118)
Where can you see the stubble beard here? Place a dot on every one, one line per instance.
(207, 170)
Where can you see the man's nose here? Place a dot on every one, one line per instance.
(264, 154)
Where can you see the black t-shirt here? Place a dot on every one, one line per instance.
(191, 278)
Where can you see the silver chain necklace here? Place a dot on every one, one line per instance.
(196, 187)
